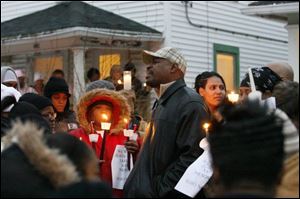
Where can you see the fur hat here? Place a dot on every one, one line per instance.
(119, 103)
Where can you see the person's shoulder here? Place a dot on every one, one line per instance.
(77, 132)
(191, 94)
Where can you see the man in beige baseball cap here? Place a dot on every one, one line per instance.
(165, 66)
(169, 53)
(171, 143)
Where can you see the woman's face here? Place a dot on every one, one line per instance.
(100, 113)
(213, 93)
(59, 101)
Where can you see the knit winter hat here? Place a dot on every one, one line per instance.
(56, 85)
(25, 111)
(38, 101)
(100, 84)
(264, 78)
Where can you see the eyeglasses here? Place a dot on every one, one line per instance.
(51, 116)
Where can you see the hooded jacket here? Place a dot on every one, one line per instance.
(116, 137)
(29, 168)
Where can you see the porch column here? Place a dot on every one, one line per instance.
(78, 73)
(293, 51)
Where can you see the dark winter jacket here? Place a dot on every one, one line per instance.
(29, 168)
(171, 144)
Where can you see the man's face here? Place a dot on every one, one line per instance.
(13, 84)
(95, 77)
(117, 74)
(158, 72)
(21, 81)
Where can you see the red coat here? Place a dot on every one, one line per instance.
(112, 140)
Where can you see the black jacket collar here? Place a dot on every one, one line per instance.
(171, 90)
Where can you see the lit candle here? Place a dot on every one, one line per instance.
(105, 125)
(233, 97)
(145, 84)
(127, 80)
(80, 138)
(206, 127)
(119, 81)
(126, 123)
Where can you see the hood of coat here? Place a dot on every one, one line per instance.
(49, 162)
(121, 109)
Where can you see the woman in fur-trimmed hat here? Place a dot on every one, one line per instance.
(91, 109)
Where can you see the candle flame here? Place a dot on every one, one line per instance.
(80, 138)
(125, 120)
(232, 97)
(206, 126)
(145, 84)
(119, 81)
(104, 117)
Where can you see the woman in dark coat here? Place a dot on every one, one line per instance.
(57, 91)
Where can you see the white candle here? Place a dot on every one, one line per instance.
(104, 124)
(127, 80)
(252, 83)
(233, 97)
(254, 94)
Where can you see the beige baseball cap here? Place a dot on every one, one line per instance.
(169, 53)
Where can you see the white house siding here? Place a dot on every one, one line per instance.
(14, 9)
(196, 43)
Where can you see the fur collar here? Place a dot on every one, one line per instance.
(49, 162)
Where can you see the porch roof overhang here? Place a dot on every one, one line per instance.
(71, 25)
(278, 11)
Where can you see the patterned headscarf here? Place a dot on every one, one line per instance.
(265, 79)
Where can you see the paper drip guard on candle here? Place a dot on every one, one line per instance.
(130, 133)
(93, 137)
(254, 94)
(105, 125)
(127, 80)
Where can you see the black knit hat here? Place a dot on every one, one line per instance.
(23, 108)
(25, 111)
(38, 101)
(56, 85)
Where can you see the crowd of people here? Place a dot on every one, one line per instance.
(98, 149)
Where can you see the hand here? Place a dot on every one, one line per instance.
(132, 146)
